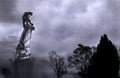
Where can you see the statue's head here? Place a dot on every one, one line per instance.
(30, 13)
(27, 14)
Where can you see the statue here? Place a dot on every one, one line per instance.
(23, 47)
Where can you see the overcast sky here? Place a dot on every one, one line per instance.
(60, 24)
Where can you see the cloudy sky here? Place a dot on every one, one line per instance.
(60, 24)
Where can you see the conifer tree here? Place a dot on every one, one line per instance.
(105, 62)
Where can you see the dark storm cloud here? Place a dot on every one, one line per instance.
(109, 21)
(65, 25)
(7, 11)
(61, 25)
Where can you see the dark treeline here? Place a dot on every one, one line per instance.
(92, 62)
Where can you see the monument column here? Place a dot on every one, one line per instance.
(23, 63)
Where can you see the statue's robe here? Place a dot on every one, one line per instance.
(23, 48)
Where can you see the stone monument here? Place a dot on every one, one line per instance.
(23, 63)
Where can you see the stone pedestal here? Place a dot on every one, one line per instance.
(23, 68)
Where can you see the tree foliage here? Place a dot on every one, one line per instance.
(79, 61)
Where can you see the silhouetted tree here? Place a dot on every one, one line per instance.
(104, 63)
(80, 59)
(57, 63)
(118, 48)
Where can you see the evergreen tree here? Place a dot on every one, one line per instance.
(105, 62)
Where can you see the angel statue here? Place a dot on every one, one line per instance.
(23, 47)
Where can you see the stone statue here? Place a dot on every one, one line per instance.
(23, 47)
